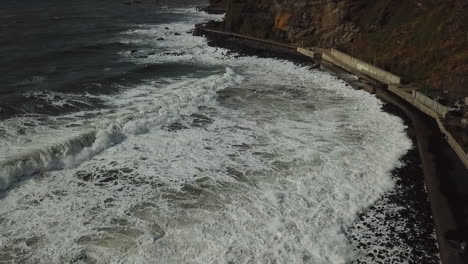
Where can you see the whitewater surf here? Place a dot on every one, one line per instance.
(206, 158)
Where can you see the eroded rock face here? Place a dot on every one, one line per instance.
(221, 4)
(422, 40)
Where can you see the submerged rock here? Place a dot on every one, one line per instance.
(175, 127)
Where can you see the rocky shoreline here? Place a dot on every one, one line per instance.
(422, 41)
(399, 227)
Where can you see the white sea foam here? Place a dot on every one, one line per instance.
(57, 99)
(273, 167)
(169, 103)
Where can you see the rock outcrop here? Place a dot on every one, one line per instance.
(425, 41)
(216, 7)
(221, 4)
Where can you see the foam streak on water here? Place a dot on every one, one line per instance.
(170, 103)
(259, 162)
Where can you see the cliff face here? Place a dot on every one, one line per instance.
(422, 40)
(220, 4)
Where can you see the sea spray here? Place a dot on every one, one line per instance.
(179, 99)
(277, 171)
(40, 160)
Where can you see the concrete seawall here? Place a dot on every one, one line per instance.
(440, 189)
(432, 104)
(356, 66)
(445, 220)
(422, 102)
(366, 68)
(439, 184)
(453, 143)
(348, 62)
(306, 52)
(443, 171)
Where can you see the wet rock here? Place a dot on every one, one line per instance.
(85, 176)
(174, 53)
(126, 170)
(175, 127)
(108, 200)
(200, 120)
(236, 174)
(243, 146)
(393, 227)
(109, 179)
(84, 258)
(157, 232)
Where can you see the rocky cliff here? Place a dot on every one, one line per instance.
(425, 41)
(219, 4)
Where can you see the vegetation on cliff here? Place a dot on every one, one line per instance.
(425, 41)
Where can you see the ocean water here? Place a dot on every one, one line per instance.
(142, 144)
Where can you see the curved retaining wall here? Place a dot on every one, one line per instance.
(366, 68)
(349, 63)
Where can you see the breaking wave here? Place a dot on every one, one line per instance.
(260, 162)
(175, 100)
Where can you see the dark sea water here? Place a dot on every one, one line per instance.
(126, 139)
(69, 47)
